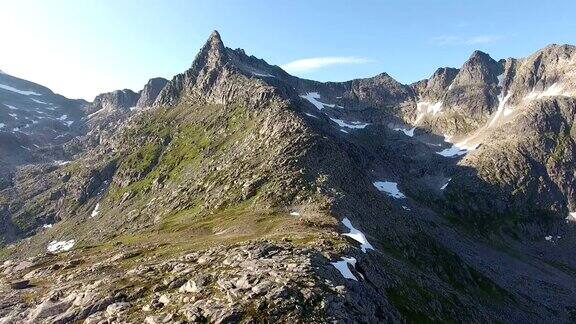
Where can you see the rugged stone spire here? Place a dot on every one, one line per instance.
(212, 54)
(150, 92)
(480, 68)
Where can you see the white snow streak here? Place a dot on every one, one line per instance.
(23, 92)
(39, 101)
(313, 97)
(408, 132)
(503, 109)
(264, 75)
(357, 236)
(446, 184)
(96, 211)
(94, 113)
(554, 90)
(352, 124)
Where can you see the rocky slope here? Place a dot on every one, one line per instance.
(32, 116)
(245, 194)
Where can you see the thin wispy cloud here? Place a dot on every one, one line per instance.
(315, 63)
(465, 40)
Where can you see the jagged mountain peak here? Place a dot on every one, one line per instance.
(212, 53)
(480, 68)
(479, 55)
(214, 74)
(558, 48)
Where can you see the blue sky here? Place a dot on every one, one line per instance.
(82, 48)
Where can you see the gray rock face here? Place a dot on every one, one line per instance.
(526, 167)
(33, 117)
(435, 88)
(464, 98)
(148, 95)
(119, 100)
(549, 71)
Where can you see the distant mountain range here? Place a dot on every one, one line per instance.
(236, 192)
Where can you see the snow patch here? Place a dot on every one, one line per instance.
(503, 109)
(554, 90)
(60, 246)
(61, 162)
(408, 132)
(446, 184)
(342, 266)
(352, 125)
(571, 217)
(96, 211)
(548, 237)
(23, 92)
(457, 149)
(11, 107)
(500, 79)
(425, 107)
(264, 75)
(391, 188)
(313, 97)
(406, 208)
(47, 226)
(2, 125)
(357, 236)
(63, 117)
(39, 101)
(294, 213)
(94, 113)
(310, 115)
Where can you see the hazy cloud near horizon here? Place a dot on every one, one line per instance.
(465, 40)
(315, 63)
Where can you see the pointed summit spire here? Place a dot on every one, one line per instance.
(215, 35)
(214, 42)
(212, 53)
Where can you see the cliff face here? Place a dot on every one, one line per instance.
(148, 95)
